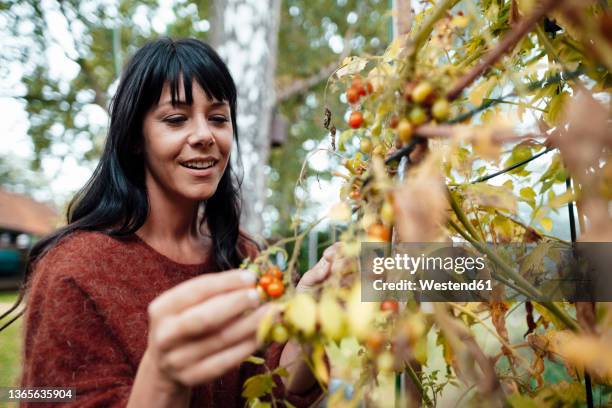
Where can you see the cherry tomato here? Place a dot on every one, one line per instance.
(379, 232)
(280, 334)
(393, 122)
(421, 92)
(404, 130)
(358, 85)
(387, 213)
(418, 116)
(408, 91)
(375, 342)
(440, 109)
(276, 288)
(265, 280)
(389, 305)
(355, 120)
(352, 95)
(276, 272)
(365, 146)
(262, 293)
(369, 87)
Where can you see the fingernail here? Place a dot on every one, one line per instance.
(248, 276)
(253, 294)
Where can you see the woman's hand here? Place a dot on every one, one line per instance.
(198, 330)
(320, 271)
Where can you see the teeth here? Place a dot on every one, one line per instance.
(199, 164)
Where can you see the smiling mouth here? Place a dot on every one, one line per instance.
(199, 165)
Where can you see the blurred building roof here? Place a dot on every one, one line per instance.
(22, 213)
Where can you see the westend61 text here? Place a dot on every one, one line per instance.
(432, 285)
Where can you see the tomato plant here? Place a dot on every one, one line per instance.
(439, 159)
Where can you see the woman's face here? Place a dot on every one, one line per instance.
(187, 148)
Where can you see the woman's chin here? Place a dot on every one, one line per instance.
(200, 194)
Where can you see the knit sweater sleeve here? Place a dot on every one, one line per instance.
(67, 343)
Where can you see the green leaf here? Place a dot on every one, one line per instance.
(255, 360)
(487, 195)
(258, 386)
(521, 401)
(548, 316)
(555, 107)
(527, 193)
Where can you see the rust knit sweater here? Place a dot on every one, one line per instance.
(86, 323)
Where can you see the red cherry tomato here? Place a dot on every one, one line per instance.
(265, 280)
(276, 288)
(355, 120)
(379, 232)
(369, 87)
(276, 272)
(389, 305)
(352, 95)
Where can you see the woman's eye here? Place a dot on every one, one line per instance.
(175, 120)
(219, 119)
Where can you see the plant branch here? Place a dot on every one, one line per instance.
(462, 217)
(507, 43)
(512, 167)
(300, 86)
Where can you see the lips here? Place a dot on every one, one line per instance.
(200, 166)
(199, 163)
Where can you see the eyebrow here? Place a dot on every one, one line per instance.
(215, 104)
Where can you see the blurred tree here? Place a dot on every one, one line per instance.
(245, 33)
(68, 55)
(314, 38)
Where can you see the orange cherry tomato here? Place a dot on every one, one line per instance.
(389, 305)
(369, 87)
(265, 280)
(355, 120)
(276, 288)
(375, 342)
(276, 272)
(393, 122)
(379, 232)
(352, 95)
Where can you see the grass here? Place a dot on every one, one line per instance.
(10, 345)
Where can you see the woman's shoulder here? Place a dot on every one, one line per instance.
(84, 244)
(78, 251)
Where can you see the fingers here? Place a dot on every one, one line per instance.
(218, 364)
(205, 317)
(196, 290)
(331, 251)
(240, 330)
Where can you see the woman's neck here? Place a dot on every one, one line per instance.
(172, 225)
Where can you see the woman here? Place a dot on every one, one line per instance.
(121, 303)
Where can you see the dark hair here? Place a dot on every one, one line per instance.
(114, 200)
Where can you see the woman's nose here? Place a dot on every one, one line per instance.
(201, 133)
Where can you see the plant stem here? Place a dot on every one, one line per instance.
(511, 167)
(424, 32)
(417, 382)
(487, 328)
(461, 216)
(507, 43)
